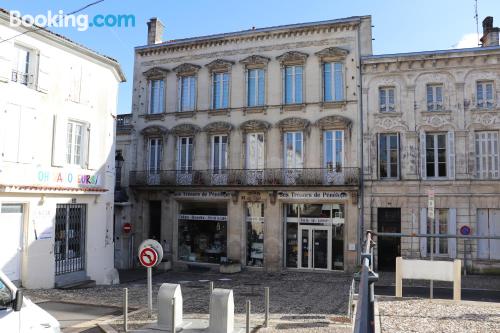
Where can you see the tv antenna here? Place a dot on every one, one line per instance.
(476, 16)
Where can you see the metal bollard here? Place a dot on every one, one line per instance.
(172, 329)
(125, 309)
(248, 305)
(266, 304)
(211, 286)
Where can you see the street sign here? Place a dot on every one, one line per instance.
(465, 230)
(127, 228)
(148, 257)
(151, 243)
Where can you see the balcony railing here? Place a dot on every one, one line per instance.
(124, 123)
(247, 177)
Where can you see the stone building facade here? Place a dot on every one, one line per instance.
(244, 147)
(431, 123)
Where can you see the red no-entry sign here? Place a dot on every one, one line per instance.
(127, 228)
(148, 257)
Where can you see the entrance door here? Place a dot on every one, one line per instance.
(11, 222)
(489, 225)
(389, 220)
(155, 220)
(315, 251)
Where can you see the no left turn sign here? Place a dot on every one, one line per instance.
(148, 257)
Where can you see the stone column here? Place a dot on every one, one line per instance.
(201, 151)
(314, 148)
(169, 152)
(273, 237)
(234, 229)
(235, 150)
(273, 146)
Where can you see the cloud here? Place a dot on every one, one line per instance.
(467, 40)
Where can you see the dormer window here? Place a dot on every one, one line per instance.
(484, 91)
(386, 99)
(434, 97)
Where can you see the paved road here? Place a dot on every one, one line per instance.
(443, 293)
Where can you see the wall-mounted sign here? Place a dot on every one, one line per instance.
(202, 217)
(321, 220)
(201, 195)
(312, 195)
(67, 178)
(465, 230)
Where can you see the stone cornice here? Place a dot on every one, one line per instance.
(187, 69)
(255, 60)
(292, 57)
(332, 53)
(329, 122)
(255, 125)
(156, 73)
(220, 65)
(218, 127)
(154, 130)
(185, 129)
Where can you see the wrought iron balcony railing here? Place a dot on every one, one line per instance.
(247, 177)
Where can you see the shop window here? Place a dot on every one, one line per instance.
(255, 234)
(202, 232)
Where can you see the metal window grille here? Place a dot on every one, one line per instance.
(69, 247)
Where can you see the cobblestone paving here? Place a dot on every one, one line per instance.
(422, 316)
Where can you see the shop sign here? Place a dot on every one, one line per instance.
(67, 178)
(321, 220)
(205, 194)
(202, 217)
(319, 195)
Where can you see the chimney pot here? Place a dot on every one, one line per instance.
(155, 31)
(490, 33)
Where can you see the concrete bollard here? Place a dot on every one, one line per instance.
(266, 306)
(169, 306)
(221, 311)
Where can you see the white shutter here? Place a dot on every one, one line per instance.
(59, 140)
(10, 129)
(452, 230)
(27, 140)
(44, 70)
(423, 230)
(451, 154)
(95, 142)
(179, 94)
(6, 56)
(423, 173)
(483, 245)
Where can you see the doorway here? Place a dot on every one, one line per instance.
(11, 222)
(155, 219)
(315, 251)
(389, 220)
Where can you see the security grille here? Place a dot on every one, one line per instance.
(69, 247)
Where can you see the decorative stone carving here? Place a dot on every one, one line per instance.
(218, 127)
(485, 118)
(332, 52)
(294, 57)
(390, 123)
(156, 73)
(334, 122)
(437, 120)
(293, 123)
(154, 130)
(219, 65)
(254, 60)
(255, 125)
(185, 129)
(187, 69)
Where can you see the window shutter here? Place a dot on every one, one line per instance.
(10, 129)
(423, 231)
(94, 147)
(27, 145)
(423, 173)
(452, 230)
(283, 86)
(451, 154)
(59, 140)
(6, 55)
(43, 78)
(483, 248)
(179, 94)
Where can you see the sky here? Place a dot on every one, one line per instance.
(399, 25)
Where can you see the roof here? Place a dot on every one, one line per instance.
(61, 39)
(352, 19)
(432, 53)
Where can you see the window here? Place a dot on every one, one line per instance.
(293, 84)
(185, 154)
(487, 155)
(187, 93)
(439, 227)
(74, 143)
(255, 234)
(220, 91)
(333, 82)
(386, 99)
(434, 97)
(294, 156)
(23, 66)
(157, 93)
(484, 91)
(255, 151)
(435, 155)
(334, 149)
(389, 155)
(219, 153)
(155, 155)
(256, 87)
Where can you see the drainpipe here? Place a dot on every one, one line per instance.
(361, 148)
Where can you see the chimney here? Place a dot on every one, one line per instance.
(155, 31)
(490, 34)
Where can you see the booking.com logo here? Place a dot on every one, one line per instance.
(82, 21)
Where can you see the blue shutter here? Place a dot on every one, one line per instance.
(327, 78)
(339, 82)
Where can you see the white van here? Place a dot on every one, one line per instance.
(19, 314)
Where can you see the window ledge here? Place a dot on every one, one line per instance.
(153, 116)
(184, 114)
(255, 109)
(388, 114)
(218, 112)
(484, 110)
(293, 107)
(333, 104)
(430, 113)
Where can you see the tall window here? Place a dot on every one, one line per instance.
(219, 153)
(386, 99)
(294, 156)
(389, 155)
(487, 163)
(434, 97)
(185, 154)
(255, 234)
(435, 154)
(155, 155)
(156, 96)
(333, 82)
(439, 227)
(220, 91)
(484, 92)
(186, 93)
(293, 84)
(255, 151)
(21, 70)
(256, 87)
(74, 154)
(334, 149)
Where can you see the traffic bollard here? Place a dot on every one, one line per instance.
(266, 304)
(125, 309)
(173, 316)
(248, 305)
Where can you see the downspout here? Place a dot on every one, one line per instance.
(360, 154)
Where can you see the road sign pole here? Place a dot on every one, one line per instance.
(150, 292)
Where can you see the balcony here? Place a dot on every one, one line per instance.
(124, 123)
(245, 177)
